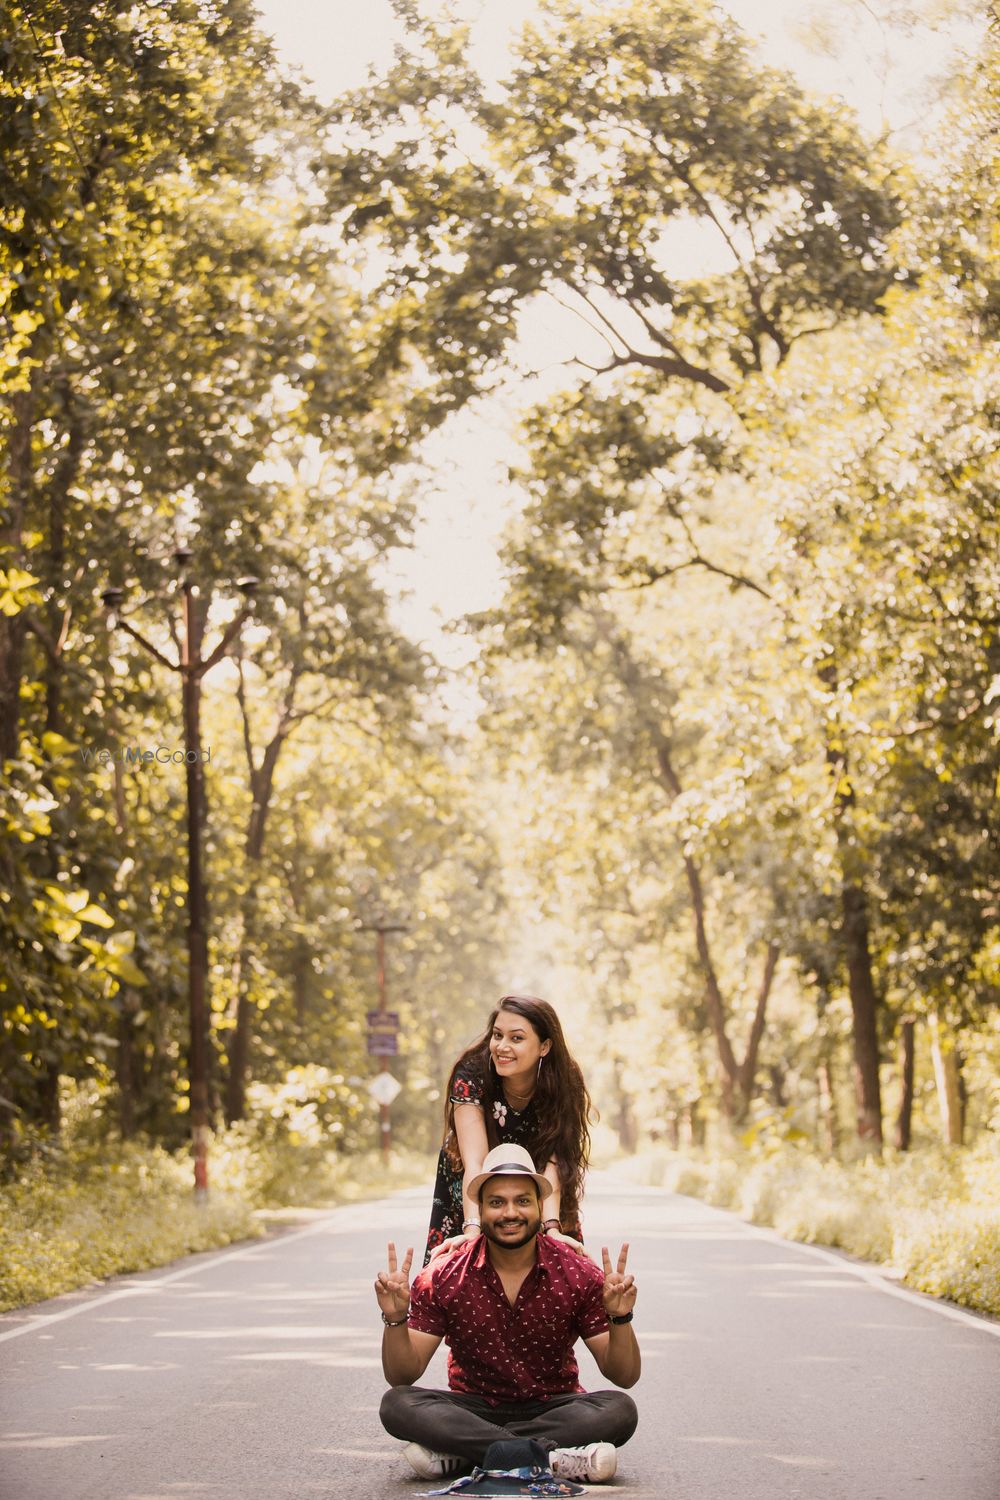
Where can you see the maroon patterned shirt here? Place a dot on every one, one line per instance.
(505, 1353)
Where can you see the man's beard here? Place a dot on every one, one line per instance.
(508, 1242)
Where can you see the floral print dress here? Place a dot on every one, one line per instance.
(510, 1125)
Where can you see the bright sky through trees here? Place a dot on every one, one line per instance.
(453, 568)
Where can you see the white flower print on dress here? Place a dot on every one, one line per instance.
(500, 1111)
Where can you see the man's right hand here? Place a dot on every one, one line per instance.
(392, 1287)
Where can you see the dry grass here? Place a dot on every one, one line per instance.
(933, 1216)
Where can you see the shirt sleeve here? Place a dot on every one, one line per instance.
(591, 1317)
(466, 1088)
(424, 1315)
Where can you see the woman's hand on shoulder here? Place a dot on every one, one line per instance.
(567, 1239)
(447, 1246)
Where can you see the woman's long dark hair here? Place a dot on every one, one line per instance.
(562, 1103)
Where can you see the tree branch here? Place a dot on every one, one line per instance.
(241, 699)
(154, 651)
(667, 366)
(38, 630)
(230, 633)
(576, 313)
(749, 1067)
(656, 575)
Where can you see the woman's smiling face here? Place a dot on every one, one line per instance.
(516, 1047)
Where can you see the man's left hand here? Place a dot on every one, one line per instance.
(619, 1289)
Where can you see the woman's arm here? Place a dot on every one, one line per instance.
(473, 1144)
(551, 1204)
(550, 1210)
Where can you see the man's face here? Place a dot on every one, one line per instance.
(511, 1211)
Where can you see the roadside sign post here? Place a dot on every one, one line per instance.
(383, 1035)
(383, 1089)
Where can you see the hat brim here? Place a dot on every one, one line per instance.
(509, 1169)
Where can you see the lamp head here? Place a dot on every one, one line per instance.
(111, 599)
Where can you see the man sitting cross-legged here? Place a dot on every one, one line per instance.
(511, 1305)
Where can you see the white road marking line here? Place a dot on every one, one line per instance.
(871, 1274)
(244, 1252)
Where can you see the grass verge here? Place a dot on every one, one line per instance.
(87, 1213)
(932, 1217)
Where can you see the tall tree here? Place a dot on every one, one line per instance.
(617, 125)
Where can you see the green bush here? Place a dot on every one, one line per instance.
(86, 1211)
(958, 1258)
(933, 1216)
(81, 1218)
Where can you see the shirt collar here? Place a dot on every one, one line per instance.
(480, 1258)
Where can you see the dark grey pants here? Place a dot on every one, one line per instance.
(453, 1422)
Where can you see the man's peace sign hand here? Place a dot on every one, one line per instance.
(392, 1287)
(619, 1289)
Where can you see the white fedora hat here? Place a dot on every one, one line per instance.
(509, 1161)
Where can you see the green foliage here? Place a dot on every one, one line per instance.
(92, 1208)
(185, 361)
(767, 609)
(618, 123)
(747, 662)
(102, 1213)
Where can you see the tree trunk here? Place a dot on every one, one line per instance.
(948, 1076)
(125, 1068)
(855, 934)
(829, 1130)
(864, 1008)
(905, 1116)
(59, 606)
(301, 970)
(737, 1080)
(239, 1046)
(262, 789)
(748, 1068)
(625, 1126)
(692, 1125)
(199, 1004)
(49, 1104)
(12, 627)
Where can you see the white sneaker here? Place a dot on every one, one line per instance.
(428, 1465)
(596, 1462)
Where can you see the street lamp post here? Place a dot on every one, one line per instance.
(192, 667)
(382, 1030)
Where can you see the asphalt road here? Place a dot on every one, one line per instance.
(771, 1371)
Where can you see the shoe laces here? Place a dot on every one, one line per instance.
(574, 1463)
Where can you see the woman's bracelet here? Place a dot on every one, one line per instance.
(470, 1224)
(548, 1223)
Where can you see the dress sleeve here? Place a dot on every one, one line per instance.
(467, 1087)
